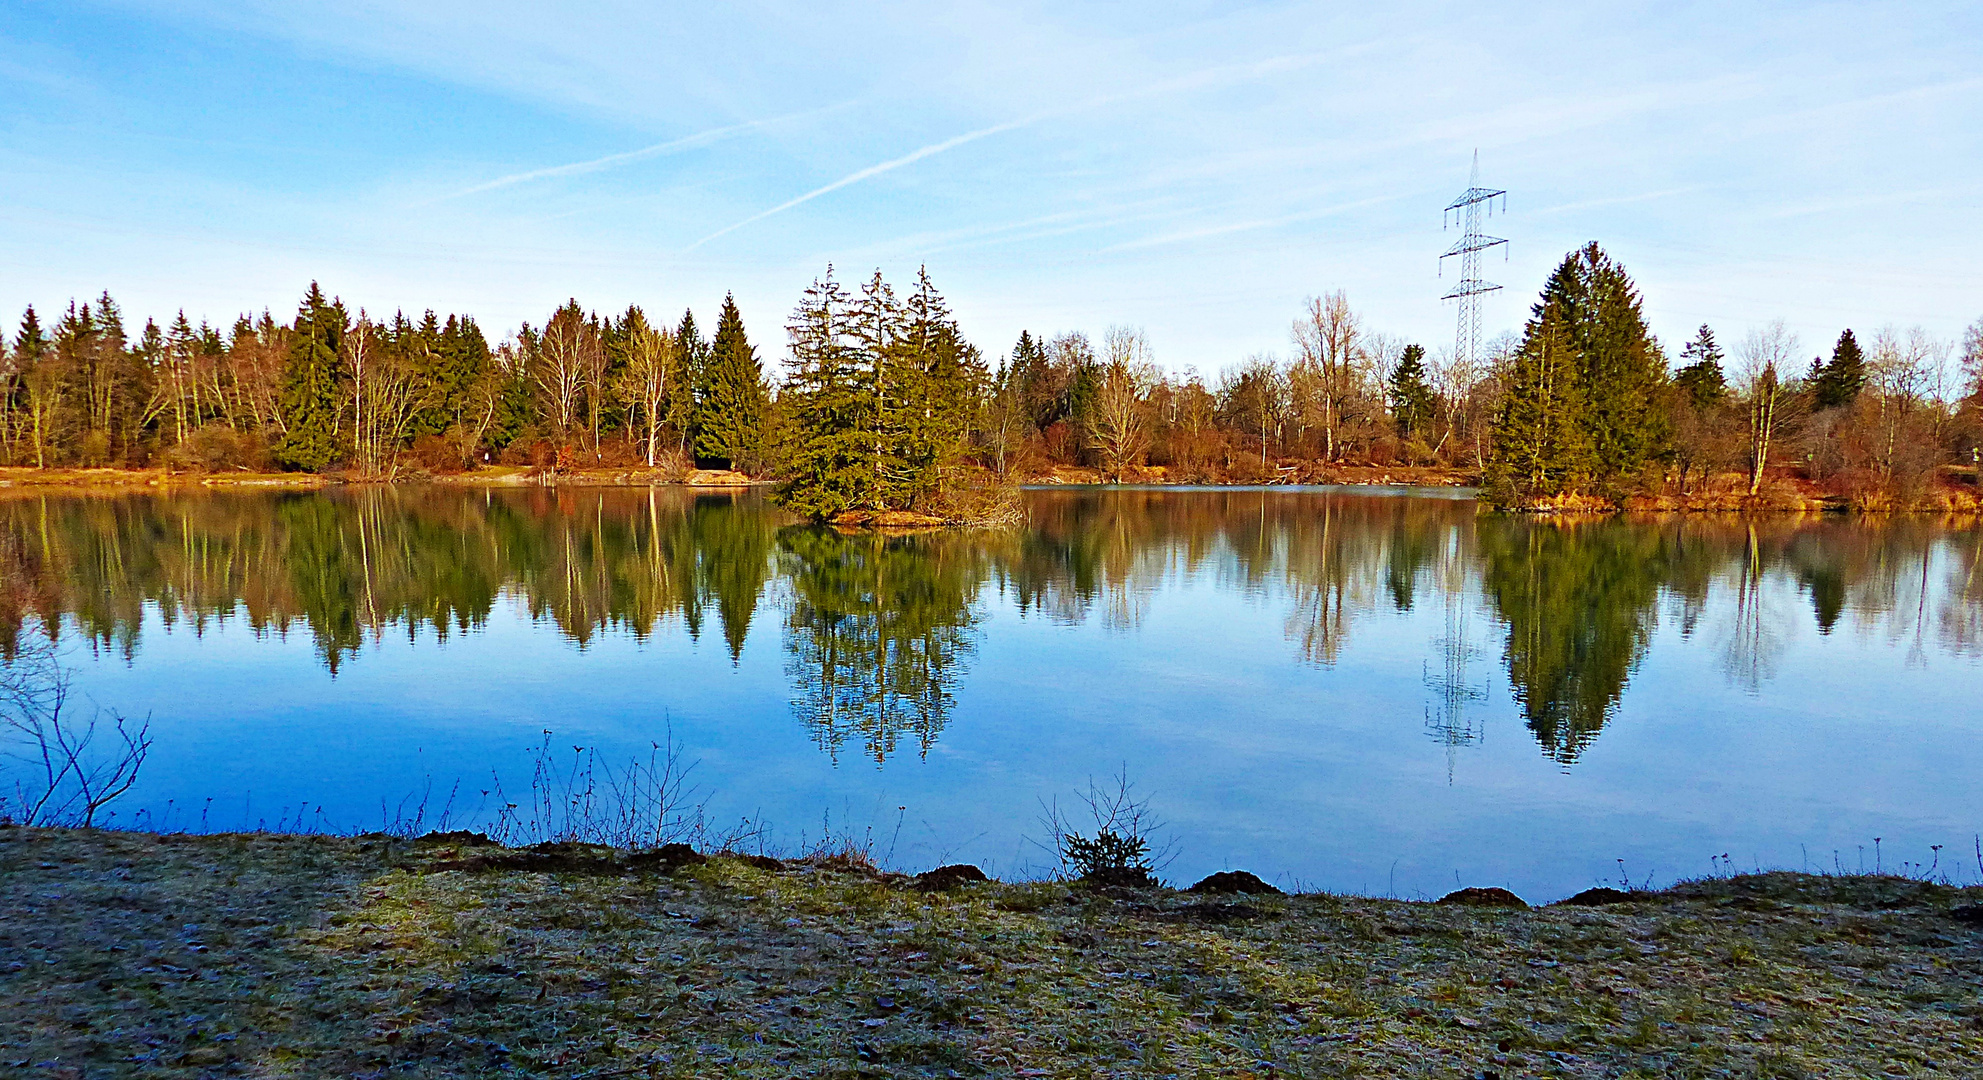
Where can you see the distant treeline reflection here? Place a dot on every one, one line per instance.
(879, 631)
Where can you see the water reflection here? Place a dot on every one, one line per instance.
(880, 632)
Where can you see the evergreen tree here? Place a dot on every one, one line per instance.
(882, 369)
(1604, 424)
(39, 373)
(1540, 444)
(1412, 401)
(689, 389)
(310, 377)
(1837, 384)
(1702, 380)
(697, 363)
(832, 460)
(1621, 368)
(1032, 379)
(942, 377)
(735, 405)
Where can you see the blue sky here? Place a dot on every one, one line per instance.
(1196, 169)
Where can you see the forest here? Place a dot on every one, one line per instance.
(879, 402)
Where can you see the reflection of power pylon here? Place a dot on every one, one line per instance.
(1446, 718)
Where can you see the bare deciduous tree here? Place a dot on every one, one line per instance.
(1119, 431)
(643, 386)
(563, 357)
(1764, 357)
(387, 394)
(1330, 340)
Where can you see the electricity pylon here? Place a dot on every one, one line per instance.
(1467, 211)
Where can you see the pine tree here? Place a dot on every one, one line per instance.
(832, 463)
(310, 378)
(1412, 400)
(1702, 381)
(1541, 447)
(734, 407)
(1837, 383)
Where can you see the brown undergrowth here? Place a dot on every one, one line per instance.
(126, 954)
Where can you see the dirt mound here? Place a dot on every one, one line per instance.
(1598, 897)
(1492, 897)
(946, 878)
(1233, 881)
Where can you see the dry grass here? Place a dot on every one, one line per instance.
(130, 954)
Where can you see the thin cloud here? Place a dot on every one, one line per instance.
(1197, 80)
(1212, 231)
(1619, 200)
(579, 168)
(868, 173)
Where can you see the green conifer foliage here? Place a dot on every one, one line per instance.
(1601, 425)
(1540, 445)
(1702, 380)
(832, 408)
(310, 377)
(1412, 400)
(1621, 366)
(734, 408)
(693, 383)
(931, 379)
(1838, 382)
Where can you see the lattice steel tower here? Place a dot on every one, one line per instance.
(1467, 211)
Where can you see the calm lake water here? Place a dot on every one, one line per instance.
(1387, 693)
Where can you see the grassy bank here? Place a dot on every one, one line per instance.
(259, 955)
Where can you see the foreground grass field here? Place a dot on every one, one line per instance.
(258, 955)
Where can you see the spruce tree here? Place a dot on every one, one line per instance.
(883, 369)
(1621, 369)
(1589, 316)
(685, 409)
(734, 408)
(1838, 382)
(832, 466)
(41, 384)
(310, 378)
(1412, 399)
(939, 380)
(1702, 380)
(1541, 447)
(683, 364)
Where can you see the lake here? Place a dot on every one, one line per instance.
(1383, 692)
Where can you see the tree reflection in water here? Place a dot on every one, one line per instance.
(879, 633)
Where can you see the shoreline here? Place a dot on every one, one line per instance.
(254, 954)
(1786, 496)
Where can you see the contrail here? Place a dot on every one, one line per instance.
(1195, 80)
(577, 168)
(870, 171)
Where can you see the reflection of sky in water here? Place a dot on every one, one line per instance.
(1287, 720)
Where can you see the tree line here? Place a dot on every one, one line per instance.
(881, 402)
(330, 390)
(1590, 408)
